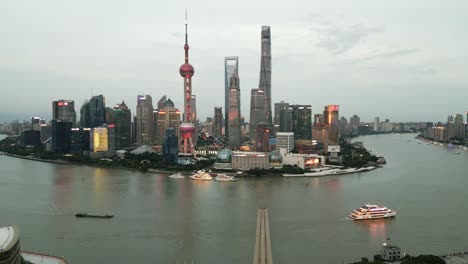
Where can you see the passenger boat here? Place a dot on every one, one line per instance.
(370, 211)
(93, 215)
(224, 177)
(201, 175)
(177, 176)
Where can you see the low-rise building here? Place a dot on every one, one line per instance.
(304, 161)
(250, 160)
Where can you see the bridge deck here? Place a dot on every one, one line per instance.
(262, 251)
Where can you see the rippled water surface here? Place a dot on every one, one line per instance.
(163, 220)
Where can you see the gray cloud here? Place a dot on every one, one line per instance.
(384, 55)
(339, 39)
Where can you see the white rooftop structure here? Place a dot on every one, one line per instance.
(7, 235)
(143, 149)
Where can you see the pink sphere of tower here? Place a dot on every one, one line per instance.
(187, 129)
(186, 70)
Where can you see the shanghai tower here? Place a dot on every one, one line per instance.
(265, 73)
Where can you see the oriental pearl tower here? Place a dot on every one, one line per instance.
(187, 128)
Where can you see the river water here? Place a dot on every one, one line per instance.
(163, 220)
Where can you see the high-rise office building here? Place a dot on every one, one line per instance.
(218, 122)
(265, 74)
(285, 140)
(257, 111)
(46, 132)
(320, 137)
(319, 119)
(233, 121)
(278, 108)
(262, 136)
(168, 116)
(99, 140)
(208, 126)
(301, 120)
(331, 115)
(121, 118)
(354, 121)
(64, 110)
(194, 118)
(61, 131)
(80, 140)
(231, 68)
(376, 124)
(343, 124)
(93, 113)
(36, 123)
(285, 120)
(187, 128)
(144, 120)
(170, 146)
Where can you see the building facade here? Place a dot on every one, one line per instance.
(61, 131)
(121, 118)
(168, 117)
(64, 110)
(257, 111)
(285, 140)
(265, 74)
(218, 122)
(144, 120)
(242, 160)
(231, 69)
(171, 146)
(233, 132)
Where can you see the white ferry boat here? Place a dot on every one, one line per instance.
(370, 211)
(177, 176)
(201, 175)
(224, 177)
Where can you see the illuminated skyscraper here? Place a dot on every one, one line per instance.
(144, 120)
(233, 121)
(331, 115)
(187, 128)
(64, 110)
(257, 111)
(218, 122)
(231, 68)
(265, 73)
(168, 117)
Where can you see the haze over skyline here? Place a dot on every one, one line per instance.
(401, 60)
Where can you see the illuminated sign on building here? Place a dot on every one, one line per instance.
(100, 139)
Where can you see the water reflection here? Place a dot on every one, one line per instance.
(376, 229)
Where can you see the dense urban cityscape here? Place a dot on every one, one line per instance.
(277, 140)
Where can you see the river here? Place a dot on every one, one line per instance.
(163, 220)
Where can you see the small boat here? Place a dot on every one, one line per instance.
(224, 177)
(177, 176)
(201, 175)
(370, 211)
(93, 215)
(457, 152)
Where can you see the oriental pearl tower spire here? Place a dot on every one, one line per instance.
(187, 128)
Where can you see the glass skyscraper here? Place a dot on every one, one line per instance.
(265, 73)
(233, 121)
(257, 111)
(231, 68)
(64, 110)
(93, 113)
(145, 123)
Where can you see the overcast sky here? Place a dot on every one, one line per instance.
(401, 59)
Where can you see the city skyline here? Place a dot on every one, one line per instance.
(128, 56)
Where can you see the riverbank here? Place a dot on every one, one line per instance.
(64, 162)
(329, 171)
(445, 145)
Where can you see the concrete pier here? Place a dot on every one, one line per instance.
(262, 250)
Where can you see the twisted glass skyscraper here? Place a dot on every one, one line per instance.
(265, 72)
